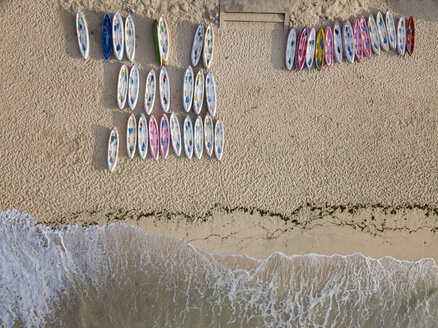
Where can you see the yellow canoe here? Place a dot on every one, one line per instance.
(319, 49)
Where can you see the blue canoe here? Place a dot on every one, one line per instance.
(107, 37)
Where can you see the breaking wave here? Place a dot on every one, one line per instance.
(118, 275)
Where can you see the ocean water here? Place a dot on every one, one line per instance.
(119, 276)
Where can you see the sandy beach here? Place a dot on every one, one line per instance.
(339, 161)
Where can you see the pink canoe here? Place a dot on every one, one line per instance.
(328, 46)
(366, 37)
(164, 136)
(302, 48)
(154, 137)
(358, 40)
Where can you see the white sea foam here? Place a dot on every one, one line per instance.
(117, 275)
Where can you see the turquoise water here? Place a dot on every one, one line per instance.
(119, 276)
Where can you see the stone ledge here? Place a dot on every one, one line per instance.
(269, 11)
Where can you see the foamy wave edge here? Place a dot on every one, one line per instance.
(31, 295)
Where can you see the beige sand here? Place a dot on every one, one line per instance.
(322, 155)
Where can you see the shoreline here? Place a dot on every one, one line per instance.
(404, 233)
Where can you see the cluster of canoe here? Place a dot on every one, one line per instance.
(355, 42)
(119, 37)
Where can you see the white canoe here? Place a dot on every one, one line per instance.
(291, 46)
(175, 134)
(188, 86)
(131, 136)
(134, 81)
(188, 137)
(82, 33)
(210, 94)
(164, 136)
(310, 53)
(348, 41)
(337, 42)
(122, 86)
(143, 136)
(118, 36)
(198, 136)
(374, 34)
(164, 90)
(113, 149)
(207, 54)
(381, 30)
(198, 43)
(401, 36)
(208, 134)
(149, 92)
(198, 93)
(390, 27)
(219, 139)
(130, 38)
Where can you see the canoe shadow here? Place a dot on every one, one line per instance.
(278, 48)
(101, 135)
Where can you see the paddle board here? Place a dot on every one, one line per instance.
(319, 49)
(390, 27)
(122, 86)
(113, 149)
(208, 134)
(410, 36)
(348, 42)
(358, 40)
(82, 33)
(164, 90)
(366, 38)
(219, 139)
(107, 37)
(374, 35)
(302, 48)
(164, 136)
(134, 81)
(118, 36)
(328, 46)
(154, 138)
(188, 137)
(310, 53)
(207, 54)
(175, 134)
(291, 45)
(198, 93)
(381, 30)
(130, 38)
(149, 92)
(337, 42)
(131, 136)
(401, 36)
(198, 43)
(163, 40)
(156, 37)
(210, 93)
(143, 137)
(188, 86)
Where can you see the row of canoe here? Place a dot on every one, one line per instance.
(146, 135)
(355, 42)
(193, 90)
